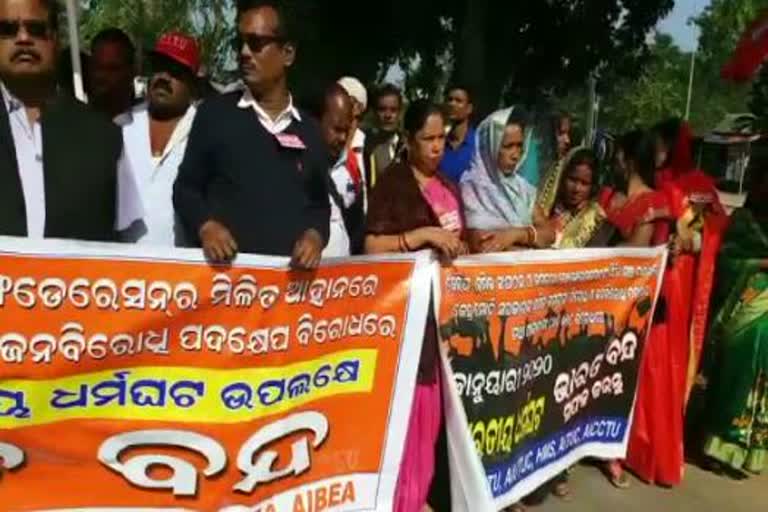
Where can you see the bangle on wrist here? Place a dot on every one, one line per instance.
(533, 235)
(405, 243)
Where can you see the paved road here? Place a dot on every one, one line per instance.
(701, 492)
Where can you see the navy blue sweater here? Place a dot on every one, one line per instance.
(237, 173)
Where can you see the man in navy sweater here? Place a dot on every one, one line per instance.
(255, 174)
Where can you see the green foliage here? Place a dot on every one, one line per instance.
(722, 24)
(659, 92)
(523, 48)
(662, 87)
(507, 51)
(146, 20)
(536, 50)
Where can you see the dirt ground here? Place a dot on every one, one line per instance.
(701, 492)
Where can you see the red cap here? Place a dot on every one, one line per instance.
(181, 48)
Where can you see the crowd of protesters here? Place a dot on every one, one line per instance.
(250, 171)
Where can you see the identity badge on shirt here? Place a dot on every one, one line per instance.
(290, 141)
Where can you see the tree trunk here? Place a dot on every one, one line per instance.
(138, 35)
(472, 59)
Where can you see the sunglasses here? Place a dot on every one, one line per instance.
(256, 43)
(36, 29)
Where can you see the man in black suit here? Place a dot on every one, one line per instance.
(59, 161)
(255, 175)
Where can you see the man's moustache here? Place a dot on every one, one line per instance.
(25, 53)
(162, 85)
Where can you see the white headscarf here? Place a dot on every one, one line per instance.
(493, 199)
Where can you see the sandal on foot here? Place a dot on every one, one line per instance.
(620, 481)
(562, 491)
(616, 475)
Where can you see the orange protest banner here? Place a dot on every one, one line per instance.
(161, 382)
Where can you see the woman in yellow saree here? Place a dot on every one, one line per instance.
(568, 196)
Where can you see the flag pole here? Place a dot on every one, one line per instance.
(690, 85)
(74, 47)
(691, 74)
(593, 107)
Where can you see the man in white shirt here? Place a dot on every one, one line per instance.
(156, 138)
(355, 159)
(335, 123)
(62, 174)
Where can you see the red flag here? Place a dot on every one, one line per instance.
(750, 53)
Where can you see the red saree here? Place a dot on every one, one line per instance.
(694, 200)
(656, 439)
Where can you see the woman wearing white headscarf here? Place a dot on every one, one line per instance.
(500, 195)
(499, 190)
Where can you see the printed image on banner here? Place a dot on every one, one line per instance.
(543, 351)
(130, 382)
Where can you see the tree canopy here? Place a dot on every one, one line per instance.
(515, 50)
(526, 52)
(722, 24)
(661, 89)
(145, 20)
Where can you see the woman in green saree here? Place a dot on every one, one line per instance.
(738, 401)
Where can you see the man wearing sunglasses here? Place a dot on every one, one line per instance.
(255, 175)
(156, 134)
(61, 171)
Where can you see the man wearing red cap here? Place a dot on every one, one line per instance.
(156, 137)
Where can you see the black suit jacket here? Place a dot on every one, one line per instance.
(237, 173)
(81, 151)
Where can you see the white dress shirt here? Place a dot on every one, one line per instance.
(393, 146)
(273, 126)
(28, 143)
(341, 178)
(339, 245)
(155, 176)
(123, 119)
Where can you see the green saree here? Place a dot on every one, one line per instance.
(738, 404)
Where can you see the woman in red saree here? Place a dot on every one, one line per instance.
(643, 219)
(701, 224)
